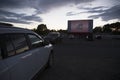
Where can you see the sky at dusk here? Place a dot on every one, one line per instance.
(55, 13)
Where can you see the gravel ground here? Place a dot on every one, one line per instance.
(79, 59)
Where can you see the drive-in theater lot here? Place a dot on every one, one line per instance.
(79, 59)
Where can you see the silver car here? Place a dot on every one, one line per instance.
(23, 53)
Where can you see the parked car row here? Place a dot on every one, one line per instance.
(22, 53)
(89, 37)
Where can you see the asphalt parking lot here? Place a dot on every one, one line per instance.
(78, 59)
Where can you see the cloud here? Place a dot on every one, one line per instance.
(99, 9)
(72, 13)
(3, 19)
(32, 18)
(54, 3)
(38, 4)
(105, 13)
(90, 8)
(109, 14)
(14, 3)
(41, 6)
(18, 18)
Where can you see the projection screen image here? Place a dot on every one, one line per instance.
(80, 26)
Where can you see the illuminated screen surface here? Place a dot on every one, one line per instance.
(81, 26)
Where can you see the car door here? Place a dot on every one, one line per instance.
(20, 60)
(23, 63)
(39, 49)
(4, 73)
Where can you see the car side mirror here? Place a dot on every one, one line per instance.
(45, 42)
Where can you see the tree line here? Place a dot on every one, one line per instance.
(113, 28)
(43, 30)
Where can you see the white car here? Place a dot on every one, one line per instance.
(23, 53)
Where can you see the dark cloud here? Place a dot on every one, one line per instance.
(38, 4)
(95, 11)
(3, 19)
(41, 6)
(54, 3)
(99, 9)
(103, 12)
(32, 18)
(72, 13)
(88, 10)
(14, 3)
(18, 18)
(109, 14)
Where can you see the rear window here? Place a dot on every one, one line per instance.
(15, 44)
(20, 43)
(9, 46)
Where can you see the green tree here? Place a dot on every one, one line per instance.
(42, 29)
(107, 28)
(116, 27)
(97, 30)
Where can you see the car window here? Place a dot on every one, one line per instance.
(9, 46)
(19, 42)
(35, 41)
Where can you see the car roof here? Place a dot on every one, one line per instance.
(11, 29)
